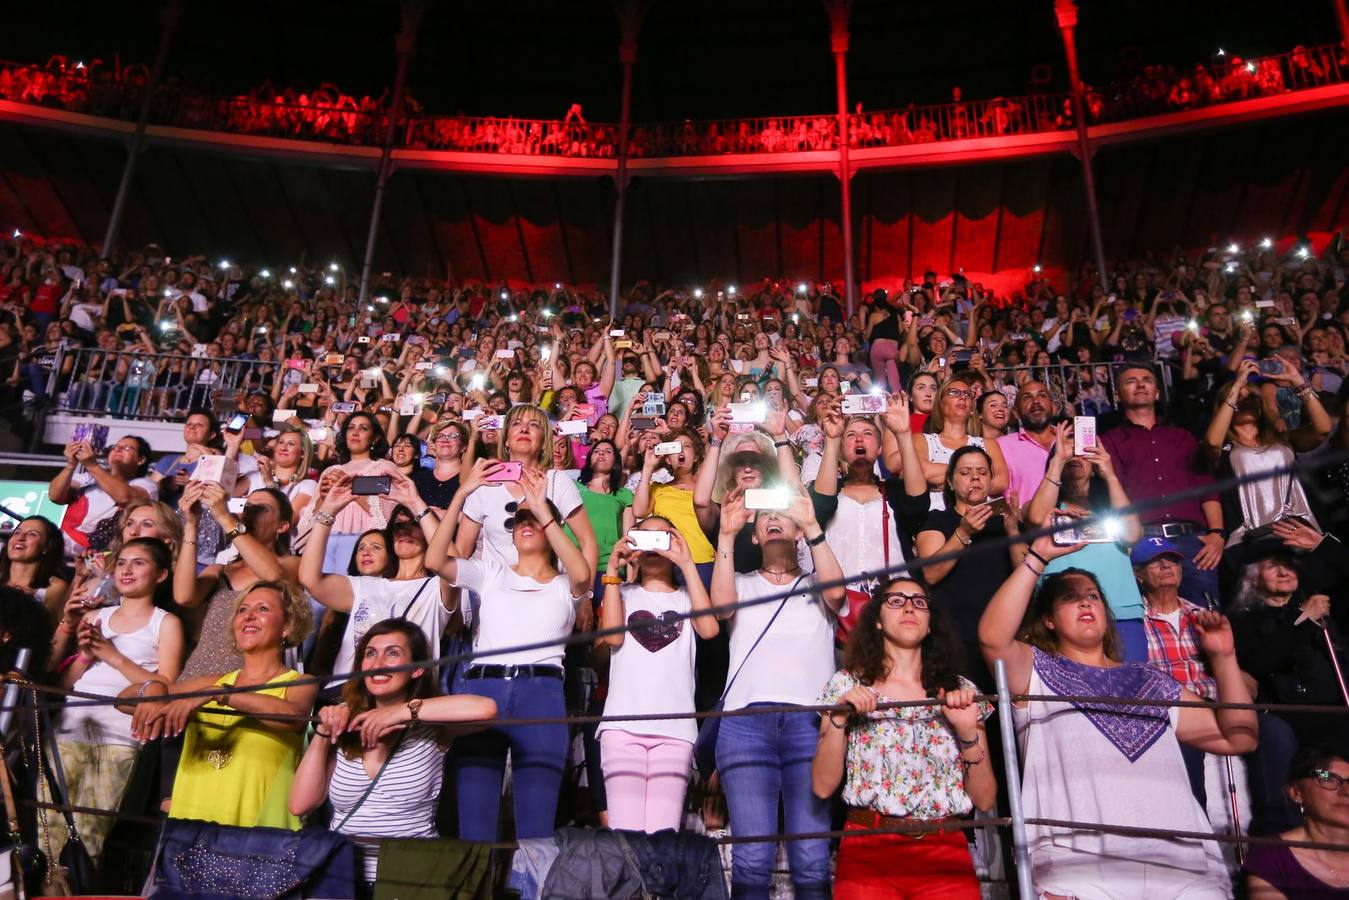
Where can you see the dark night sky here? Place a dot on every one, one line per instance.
(698, 58)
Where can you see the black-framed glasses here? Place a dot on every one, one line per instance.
(899, 600)
(1329, 780)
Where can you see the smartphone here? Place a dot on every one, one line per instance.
(1084, 433)
(649, 540)
(1081, 533)
(643, 423)
(363, 339)
(669, 448)
(753, 413)
(236, 423)
(616, 332)
(344, 406)
(1270, 366)
(586, 410)
(506, 471)
(236, 505)
(622, 345)
(1264, 304)
(491, 423)
(318, 435)
(653, 407)
(505, 354)
(308, 388)
(370, 485)
(573, 427)
(423, 366)
(768, 498)
(333, 359)
(294, 364)
(999, 505)
(811, 382)
(863, 405)
(390, 337)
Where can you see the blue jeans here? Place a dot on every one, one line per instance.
(761, 759)
(1194, 584)
(1272, 810)
(538, 756)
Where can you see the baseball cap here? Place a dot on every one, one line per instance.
(1148, 549)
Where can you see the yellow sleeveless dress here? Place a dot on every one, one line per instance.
(235, 770)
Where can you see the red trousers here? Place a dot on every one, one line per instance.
(900, 867)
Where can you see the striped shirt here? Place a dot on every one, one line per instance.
(403, 803)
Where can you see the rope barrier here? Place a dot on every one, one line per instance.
(814, 588)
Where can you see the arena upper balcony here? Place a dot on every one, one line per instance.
(1155, 104)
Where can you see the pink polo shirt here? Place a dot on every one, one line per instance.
(1026, 461)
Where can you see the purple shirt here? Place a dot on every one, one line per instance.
(1154, 462)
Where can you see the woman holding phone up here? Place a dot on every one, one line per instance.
(533, 601)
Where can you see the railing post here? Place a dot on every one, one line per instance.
(9, 704)
(1012, 773)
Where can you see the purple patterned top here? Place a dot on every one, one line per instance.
(1132, 729)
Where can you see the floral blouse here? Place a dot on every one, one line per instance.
(903, 762)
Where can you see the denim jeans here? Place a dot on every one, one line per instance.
(1194, 583)
(761, 759)
(1272, 810)
(538, 755)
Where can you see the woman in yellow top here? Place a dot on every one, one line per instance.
(673, 500)
(237, 769)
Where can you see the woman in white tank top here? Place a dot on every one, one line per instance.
(379, 754)
(947, 431)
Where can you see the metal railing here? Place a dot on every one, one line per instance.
(1086, 388)
(330, 116)
(126, 384)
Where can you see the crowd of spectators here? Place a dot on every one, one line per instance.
(465, 465)
(326, 113)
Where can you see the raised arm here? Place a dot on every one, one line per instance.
(333, 591)
(733, 518)
(535, 485)
(1226, 731)
(1001, 621)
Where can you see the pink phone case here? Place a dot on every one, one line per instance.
(507, 471)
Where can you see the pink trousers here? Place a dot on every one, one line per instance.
(645, 777)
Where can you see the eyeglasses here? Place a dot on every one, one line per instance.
(445, 439)
(1329, 780)
(897, 600)
(960, 393)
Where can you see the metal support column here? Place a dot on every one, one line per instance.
(168, 24)
(1342, 18)
(405, 44)
(631, 23)
(1012, 774)
(1066, 13)
(838, 43)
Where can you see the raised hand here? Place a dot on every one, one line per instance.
(897, 415)
(1215, 634)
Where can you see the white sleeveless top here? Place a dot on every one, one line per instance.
(104, 724)
(937, 452)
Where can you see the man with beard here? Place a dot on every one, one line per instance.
(1027, 450)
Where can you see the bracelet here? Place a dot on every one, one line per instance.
(551, 521)
(422, 515)
(964, 540)
(1217, 531)
(324, 518)
(188, 541)
(964, 743)
(835, 724)
(610, 579)
(144, 685)
(1057, 484)
(815, 541)
(715, 443)
(1031, 552)
(323, 734)
(1026, 563)
(983, 755)
(778, 445)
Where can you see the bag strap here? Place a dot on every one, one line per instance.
(760, 638)
(11, 809)
(56, 774)
(415, 598)
(885, 527)
(373, 781)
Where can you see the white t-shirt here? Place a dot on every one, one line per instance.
(99, 505)
(652, 670)
(104, 724)
(794, 660)
(487, 507)
(514, 610)
(374, 599)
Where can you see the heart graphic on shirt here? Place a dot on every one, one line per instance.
(655, 633)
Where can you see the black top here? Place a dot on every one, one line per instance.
(1289, 661)
(433, 491)
(965, 591)
(886, 329)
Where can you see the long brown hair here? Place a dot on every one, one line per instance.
(1267, 430)
(357, 697)
(1034, 631)
(864, 656)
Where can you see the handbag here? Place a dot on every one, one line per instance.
(74, 871)
(705, 747)
(206, 861)
(22, 867)
(857, 600)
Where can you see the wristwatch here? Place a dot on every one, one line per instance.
(414, 707)
(234, 532)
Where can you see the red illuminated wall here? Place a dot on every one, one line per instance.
(1280, 178)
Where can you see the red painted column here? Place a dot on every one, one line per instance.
(838, 43)
(1342, 17)
(1066, 13)
(627, 56)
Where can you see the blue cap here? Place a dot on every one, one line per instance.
(1148, 549)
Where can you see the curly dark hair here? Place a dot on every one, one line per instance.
(864, 656)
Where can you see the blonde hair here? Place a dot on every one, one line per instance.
(306, 450)
(170, 526)
(936, 421)
(294, 607)
(543, 458)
